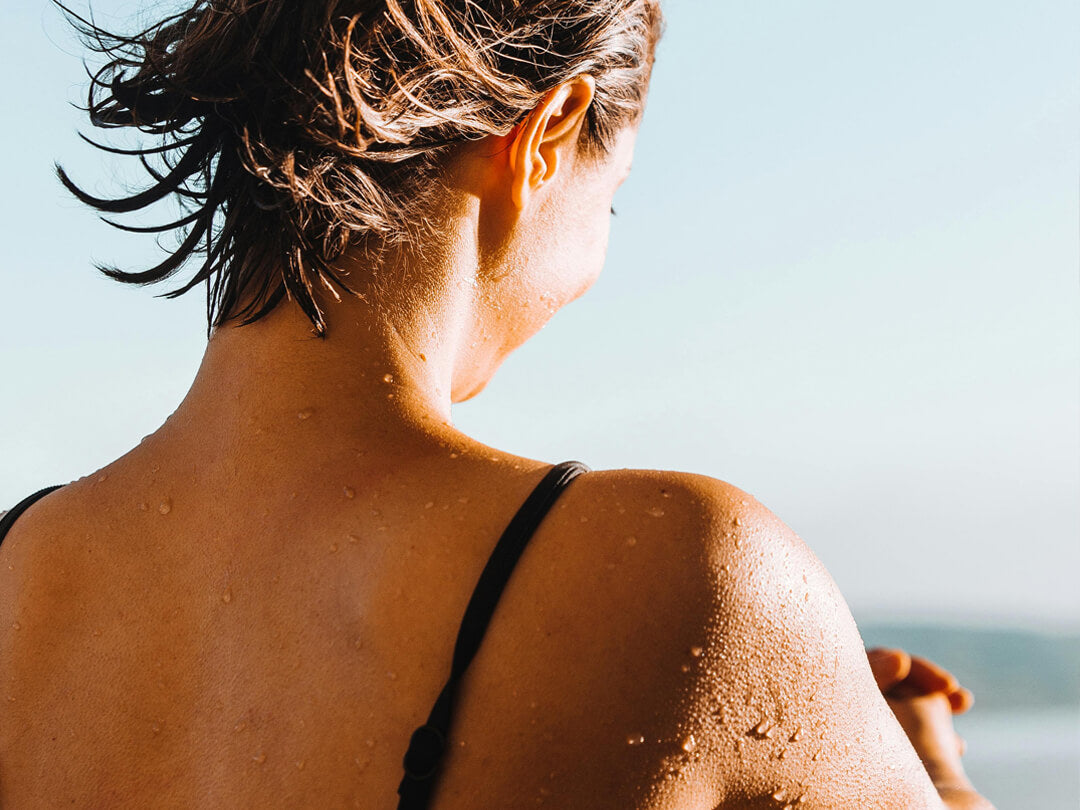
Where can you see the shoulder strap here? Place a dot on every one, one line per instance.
(428, 742)
(7, 519)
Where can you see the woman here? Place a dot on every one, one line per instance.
(260, 604)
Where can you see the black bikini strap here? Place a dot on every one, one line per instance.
(428, 742)
(9, 517)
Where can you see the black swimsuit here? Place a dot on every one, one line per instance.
(428, 742)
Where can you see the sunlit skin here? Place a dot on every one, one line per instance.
(257, 605)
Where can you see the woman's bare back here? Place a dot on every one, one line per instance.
(208, 637)
(191, 638)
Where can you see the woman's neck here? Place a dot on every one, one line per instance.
(384, 376)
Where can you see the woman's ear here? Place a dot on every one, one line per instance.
(548, 136)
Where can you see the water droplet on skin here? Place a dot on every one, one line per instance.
(227, 596)
(429, 504)
(635, 739)
(11, 699)
(369, 743)
(259, 758)
(762, 730)
(103, 477)
(359, 643)
(656, 512)
(665, 494)
(796, 736)
(392, 676)
(738, 522)
(453, 455)
(156, 728)
(353, 538)
(631, 541)
(300, 765)
(689, 744)
(349, 493)
(16, 626)
(685, 667)
(97, 632)
(816, 756)
(462, 500)
(584, 519)
(388, 378)
(696, 651)
(333, 547)
(779, 796)
(240, 726)
(165, 506)
(305, 414)
(144, 507)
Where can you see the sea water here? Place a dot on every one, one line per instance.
(1022, 760)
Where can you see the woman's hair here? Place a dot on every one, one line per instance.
(291, 129)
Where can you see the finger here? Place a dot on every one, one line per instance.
(961, 700)
(928, 677)
(889, 666)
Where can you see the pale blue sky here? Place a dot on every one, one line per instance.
(843, 276)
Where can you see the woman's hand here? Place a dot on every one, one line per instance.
(924, 697)
(900, 675)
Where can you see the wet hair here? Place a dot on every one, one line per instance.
(290, 130)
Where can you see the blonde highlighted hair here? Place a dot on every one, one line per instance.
(290, 130)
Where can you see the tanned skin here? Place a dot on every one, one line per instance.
(257, 605)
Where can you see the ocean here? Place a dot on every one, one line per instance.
(1024, 760)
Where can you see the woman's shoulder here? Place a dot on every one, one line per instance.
(686, 534)
(700, 536)
(719, 649)
(708, 522)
